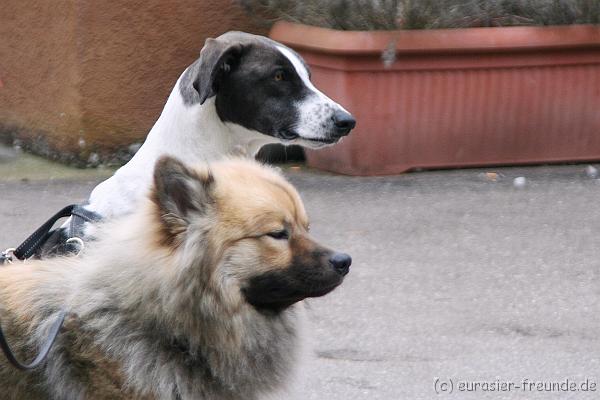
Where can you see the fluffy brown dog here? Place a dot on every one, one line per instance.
(192, 297)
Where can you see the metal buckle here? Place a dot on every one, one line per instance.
(7, 255)
(80, 243)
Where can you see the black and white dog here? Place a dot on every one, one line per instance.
(244, 91)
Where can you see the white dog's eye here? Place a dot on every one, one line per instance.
(279, 235)
(278, 76)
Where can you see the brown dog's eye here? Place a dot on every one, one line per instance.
(279, 235)
(279, 76)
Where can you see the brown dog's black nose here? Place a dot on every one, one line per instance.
(341, 262)
(344, 122)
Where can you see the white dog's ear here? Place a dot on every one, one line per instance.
(180, 192)
(217, 57)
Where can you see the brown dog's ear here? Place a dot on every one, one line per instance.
(217, 57)
(179, 191)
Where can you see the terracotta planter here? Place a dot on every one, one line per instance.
(455, 98)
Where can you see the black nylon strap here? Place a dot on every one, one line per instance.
(79, 216)
(37, 238)
(87, 215)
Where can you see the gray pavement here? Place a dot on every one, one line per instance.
(456, 278)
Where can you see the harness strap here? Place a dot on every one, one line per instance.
(37, 238)
(79, 216)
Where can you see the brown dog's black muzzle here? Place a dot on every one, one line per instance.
(312, 273)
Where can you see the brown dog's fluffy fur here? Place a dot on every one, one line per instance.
(191, 297)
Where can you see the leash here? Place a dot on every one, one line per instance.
(41, 357)
(27, 249)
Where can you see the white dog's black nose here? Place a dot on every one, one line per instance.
(344, 122)
(341, 262)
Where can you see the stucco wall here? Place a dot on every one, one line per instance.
(39, 93)
(82, 77)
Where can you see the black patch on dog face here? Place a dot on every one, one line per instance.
(309, 275)
(261, 85)
(261, 92)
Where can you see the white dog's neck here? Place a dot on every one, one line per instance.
(195, 133)
(192, 133)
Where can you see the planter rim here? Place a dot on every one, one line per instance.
(496, 39)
